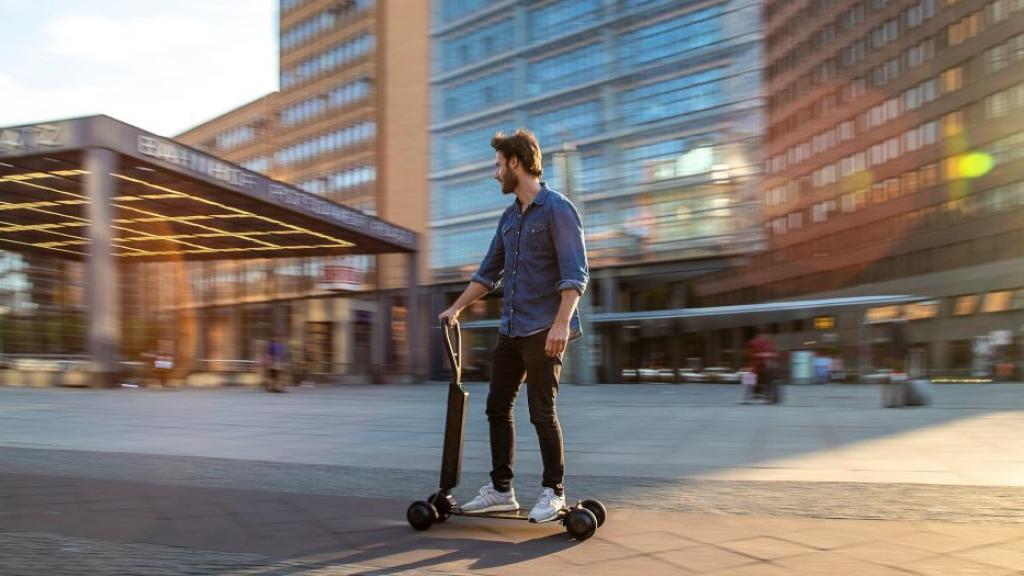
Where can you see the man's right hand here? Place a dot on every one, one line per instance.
(449, 316)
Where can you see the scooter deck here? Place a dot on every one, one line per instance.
(511, 515)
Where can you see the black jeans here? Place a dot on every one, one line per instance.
(516, 359)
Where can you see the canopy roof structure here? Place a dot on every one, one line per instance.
(166, 201)
(107, 193)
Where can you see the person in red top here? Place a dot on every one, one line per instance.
(762, 354)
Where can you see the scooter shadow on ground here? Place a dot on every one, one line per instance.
(482, 553)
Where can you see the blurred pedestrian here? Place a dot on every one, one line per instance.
(822, 368)
(763, 358)
(897, 347)
(894, 391)
(274, 364)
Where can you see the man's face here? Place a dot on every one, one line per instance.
(504, 174)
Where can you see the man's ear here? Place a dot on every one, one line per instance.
(513, 162)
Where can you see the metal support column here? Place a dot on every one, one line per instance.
(415, 336)
(102, 293)
(379, 338)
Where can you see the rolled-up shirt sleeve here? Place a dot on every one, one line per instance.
(570, 247)
(492, 267)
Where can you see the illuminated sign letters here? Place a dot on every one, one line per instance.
(194, 161)
(342, 214)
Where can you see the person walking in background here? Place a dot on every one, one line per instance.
(894, 391)
(762, 355)
(822, 368)
(274, 364)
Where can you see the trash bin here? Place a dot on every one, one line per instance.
(918, 392)
(894, 391)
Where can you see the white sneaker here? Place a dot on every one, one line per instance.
(548, 506)
(491, 500)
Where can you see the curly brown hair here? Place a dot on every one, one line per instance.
(523, 146)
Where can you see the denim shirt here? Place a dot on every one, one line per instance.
(537, 254)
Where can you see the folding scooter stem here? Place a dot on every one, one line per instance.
(455, 423)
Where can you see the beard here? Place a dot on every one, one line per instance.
(509, 182)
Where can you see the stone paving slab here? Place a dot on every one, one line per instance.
(837, 433)
(853, 500)
(317, 481)
(239, 531)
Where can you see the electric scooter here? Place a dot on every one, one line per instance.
(580, 520)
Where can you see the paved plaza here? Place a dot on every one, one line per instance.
(316, 481)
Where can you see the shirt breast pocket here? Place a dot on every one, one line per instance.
(508, 238)
(538, 238)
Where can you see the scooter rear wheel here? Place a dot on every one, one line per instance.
(581, 523)
(421, 515)
(595, 506)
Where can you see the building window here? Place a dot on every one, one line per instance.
(473, 196)
(997, 301)
(475, 46)
(258, 164)
(969, 27)
(338, 55)
(965, 305)
(326, 20)
(452, 10)
(236, 137)
(329, 142)
(671, 37)
(351, 177)
(476, 95)
(997, 105)
(570, 123)
(340, 96)
(467, 146)
(672, 97)
(561, 18)
(952, 124)
(881, 314)
(453, 248)
(921, 310)
(996, 58)
(952, 79)
(580, 66)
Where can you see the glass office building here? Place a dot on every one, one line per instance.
(894, 164)
(661, 101)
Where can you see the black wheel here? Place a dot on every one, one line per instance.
(595, 506)
(581, 523)
(421, 515)
(443, 504)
